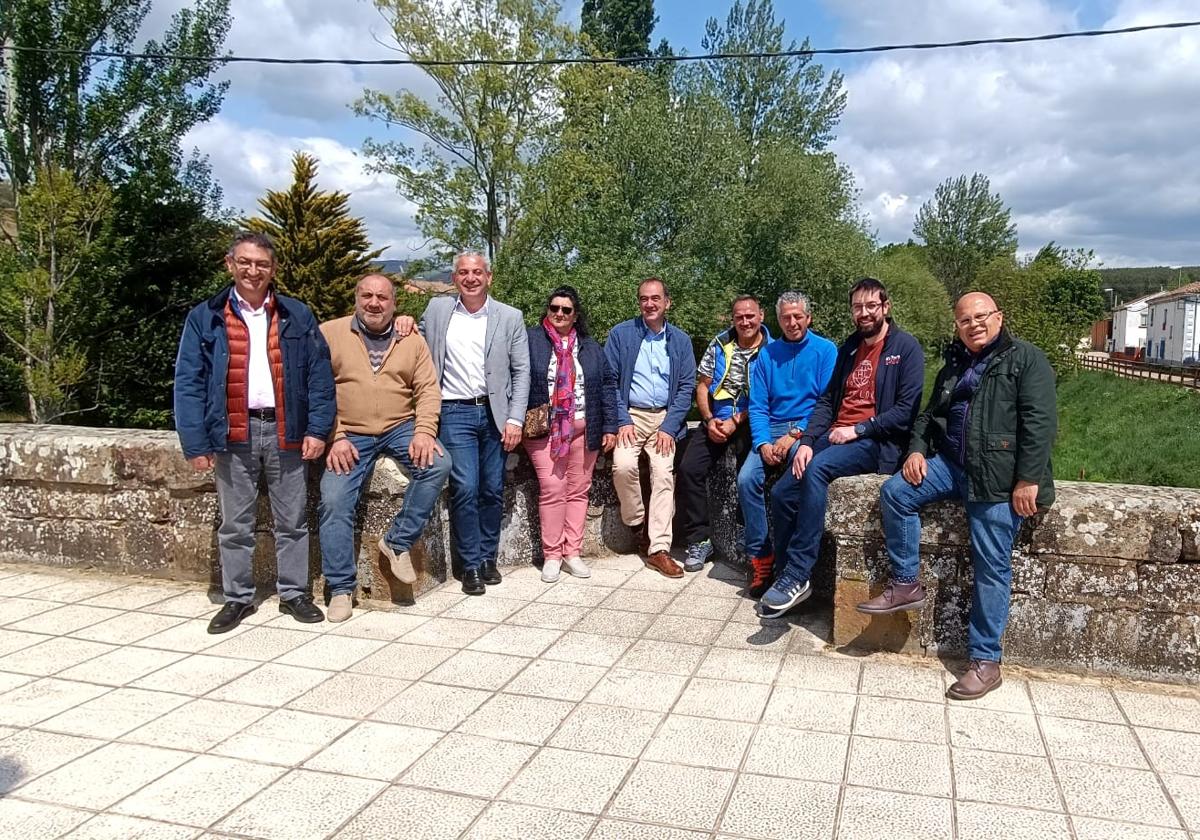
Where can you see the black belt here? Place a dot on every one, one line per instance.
(267, 414)
(471, 401)
(649, 408)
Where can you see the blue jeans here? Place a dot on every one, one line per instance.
(751, 481)
(798, 505)
(340, 495)
(476, 455)
(992, 527)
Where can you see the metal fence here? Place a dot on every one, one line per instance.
(1186, 375)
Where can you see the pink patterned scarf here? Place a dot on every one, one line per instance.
(562, 401)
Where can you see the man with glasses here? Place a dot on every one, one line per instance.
(860, 424)
(984, 439)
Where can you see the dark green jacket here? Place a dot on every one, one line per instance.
(1010, 425)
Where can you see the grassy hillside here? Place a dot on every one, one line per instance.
(1130, 283)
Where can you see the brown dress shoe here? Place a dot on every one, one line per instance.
(895, 597)
(661, 562)
(981, 677)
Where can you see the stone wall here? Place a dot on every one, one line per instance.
(1108, 581)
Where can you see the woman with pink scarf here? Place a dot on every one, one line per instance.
(568, 372)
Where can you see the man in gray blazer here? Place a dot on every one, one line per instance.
(482, 359)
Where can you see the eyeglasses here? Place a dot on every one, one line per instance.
(977, 319)
(244, 264)
(871, 308)
(556, 309)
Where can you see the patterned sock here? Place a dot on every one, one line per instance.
(907, 580)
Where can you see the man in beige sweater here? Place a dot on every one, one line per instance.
(388, 403)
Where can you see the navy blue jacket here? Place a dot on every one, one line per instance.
(621, 350)
(599, 383)
(898, 385)
(202, 365)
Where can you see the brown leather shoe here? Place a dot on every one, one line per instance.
(761, 569)
(661, 562)
(981, 677)
(894, 598)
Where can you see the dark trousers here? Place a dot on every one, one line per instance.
(691, 478)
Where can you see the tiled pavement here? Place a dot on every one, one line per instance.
(627, 706)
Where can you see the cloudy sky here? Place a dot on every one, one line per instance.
(1093, 143)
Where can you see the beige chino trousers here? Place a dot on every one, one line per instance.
(627, 480)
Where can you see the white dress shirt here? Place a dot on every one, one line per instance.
(260, 388)
(463, 372)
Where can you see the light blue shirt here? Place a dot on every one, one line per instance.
(650, 386)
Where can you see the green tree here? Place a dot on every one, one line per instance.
(920, 304)
(487, 119)
(619, 28)
(964, 227)
(321, 250)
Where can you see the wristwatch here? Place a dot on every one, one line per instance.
(860, 429)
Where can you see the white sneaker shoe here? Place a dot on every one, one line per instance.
(550, 569)
(576, 567)
(340, 608)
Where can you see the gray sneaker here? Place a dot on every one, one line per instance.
(697, 555)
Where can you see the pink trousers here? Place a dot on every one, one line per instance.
(563, 492)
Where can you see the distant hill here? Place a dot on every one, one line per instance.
(1130, 283)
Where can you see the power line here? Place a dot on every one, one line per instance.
(649, 59)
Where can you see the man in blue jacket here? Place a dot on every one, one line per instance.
(785, 382)
(656, 374)
(861, 424)
(254, 395)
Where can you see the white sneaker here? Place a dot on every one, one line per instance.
(550, 569)
(340, 608)
(576, 567)
(401, 563)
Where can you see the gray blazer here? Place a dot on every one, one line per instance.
(505, 350)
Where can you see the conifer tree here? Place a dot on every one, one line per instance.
(320, 249)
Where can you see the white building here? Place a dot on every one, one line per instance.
(1173, 325)
(1129, 322)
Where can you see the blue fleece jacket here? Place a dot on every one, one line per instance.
(786, 379)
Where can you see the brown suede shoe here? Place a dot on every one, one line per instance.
(661, 562)
(981, 677)
(895, 597)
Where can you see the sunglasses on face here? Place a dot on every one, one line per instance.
(565, 310)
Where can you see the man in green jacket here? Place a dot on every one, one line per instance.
(985, 439)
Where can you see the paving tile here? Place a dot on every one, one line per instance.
(515, 717)
(468, 764)
(621, 830)
(811, 634)
(14, 640)
(190, 637)
(701, 606)
(886, 679)
(821, 673)
(701, 742)
(801, 708)
(770, 807)
(1011, 696)
(1005, 779)
(901, 720)
(45, 698)
(523, 588)
(63, 620)
(575, 596)
(409, 812)
(1172, 752)
(1185, 792)
(477, 669)
(328, 652)
(601, 576)
(374, 750)
(30, 753)
(560, 680)
(113, 714)
(259, 643)
(976, 819)
(349, 695)
(871, 814)
(199, 725)
(73, 589)
(10, 681)
(647, 578)
(550, 616)
(117, 827)
(28, 582)
(1088, 740)
(767, 636)
(431, 706)
(684, 629)
(607, 729)
(1089, 828)
(1087, 702)
(923, 769)
(222, 784)
(121, 666)
(516, 640)
(192, 603)
(505, 821)
(663, 657)
(1161, 711)
(981, 729)
(284, 736)
(314, 805)
(1119, 793)
(433, 603)
(51, 656)
(688, 797)
(402, 661)
(37, 820)
(128, 627)
(567, 780)
(637, 689)
(133, 596)
(13, 610)
(486, 609)
(381, 625)
(195, 675)
(270, 685)
(798, 754)
(446, 632)
(638, 600)
(587, 648)
(723, 699)
(756, 666)
(614, 622)
(101, 778)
